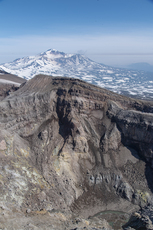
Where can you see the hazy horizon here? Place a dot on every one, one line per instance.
(112, 32)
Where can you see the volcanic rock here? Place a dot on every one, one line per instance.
(69, 150)
(139, 221)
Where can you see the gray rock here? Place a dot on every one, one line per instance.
(69, 147)
(139, 221)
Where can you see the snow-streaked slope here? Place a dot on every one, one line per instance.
(9, 82)
(124, 81)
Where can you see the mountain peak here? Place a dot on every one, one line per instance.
(52, 54)
(52, 50)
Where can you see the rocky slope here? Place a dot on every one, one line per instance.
(9, 83)
(72, 155)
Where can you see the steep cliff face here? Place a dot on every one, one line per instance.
(70, 146)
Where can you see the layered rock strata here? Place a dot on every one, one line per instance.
(70, 146)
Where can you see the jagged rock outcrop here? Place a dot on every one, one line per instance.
(141, 219)
(70, 146)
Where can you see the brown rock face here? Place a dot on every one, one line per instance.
(70, 146)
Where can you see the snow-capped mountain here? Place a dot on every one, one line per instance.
(52, 62)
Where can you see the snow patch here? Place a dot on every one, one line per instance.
(9, 82)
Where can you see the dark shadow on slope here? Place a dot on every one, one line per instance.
(149, 176)
(135, 149)
(133, 152)
(63, 109)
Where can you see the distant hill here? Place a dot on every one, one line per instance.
(141, 66)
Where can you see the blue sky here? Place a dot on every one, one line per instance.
(113, 32)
